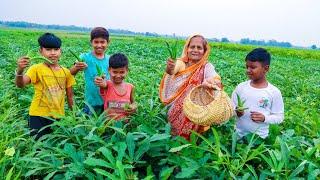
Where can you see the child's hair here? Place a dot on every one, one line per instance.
(99, 32)
(118, 60)
(260, 55)
(49, 40)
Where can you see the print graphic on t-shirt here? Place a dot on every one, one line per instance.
(116, 104)
(53, 92)
(263, 102)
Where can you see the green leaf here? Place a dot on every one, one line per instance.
(166, 173)
(131, 145)
(179, 148)
(74, 54)
(234, 143)
(285, 153)
(253, 172)
(298, 170)
(186, 172)
(143, 147)
(50, 175)
(105, 173)
(120, 169)
(240, 104)
(9, 174)
(157, 137)
(120, 148)
(172, 49)
(149, 171)
(108, 154)
(40, 58)
(313, 174)
(97, 162)
(99, 70)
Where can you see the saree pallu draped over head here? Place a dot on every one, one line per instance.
(174, 88)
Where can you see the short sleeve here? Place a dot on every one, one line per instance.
(32, 74)
(70, 79)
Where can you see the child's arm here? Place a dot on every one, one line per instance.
(78, 66)
(101, 82)
(22, 80)
(132, 95)
(133, 105)
(69, 93)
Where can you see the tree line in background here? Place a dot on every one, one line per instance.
(22, 24)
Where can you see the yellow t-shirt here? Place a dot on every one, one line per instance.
(49, 90)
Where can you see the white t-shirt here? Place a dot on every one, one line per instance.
(267, 101)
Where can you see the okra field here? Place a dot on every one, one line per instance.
(84, 147)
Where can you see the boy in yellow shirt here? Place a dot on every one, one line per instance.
(51, 82)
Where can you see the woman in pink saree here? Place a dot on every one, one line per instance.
(190, 70)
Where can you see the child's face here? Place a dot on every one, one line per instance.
(256, 70)
(52, 54)
(99, 45)
(117, 75)
(195, 49)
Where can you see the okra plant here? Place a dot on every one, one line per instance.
(240, 104)
(173, 50)
(76, 56)
(99, 70)
(38, 57)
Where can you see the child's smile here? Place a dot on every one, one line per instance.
(117, 75)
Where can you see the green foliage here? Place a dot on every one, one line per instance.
(173, 49)
(97, 148)
(74, 54)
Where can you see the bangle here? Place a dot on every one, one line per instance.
(18, 74)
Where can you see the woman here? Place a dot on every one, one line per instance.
(191, 70)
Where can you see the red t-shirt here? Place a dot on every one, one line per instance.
(114, 102)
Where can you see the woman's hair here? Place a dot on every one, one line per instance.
(118, 60)
(260, 55)
(99, 32)
(49, 40)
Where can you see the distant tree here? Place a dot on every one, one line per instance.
(314, 47)
(245, 41)
(224, 39)
(213, 40)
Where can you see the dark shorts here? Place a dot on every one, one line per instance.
(36, 123)
(98, 109)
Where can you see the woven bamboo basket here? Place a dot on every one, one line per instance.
(205, 109)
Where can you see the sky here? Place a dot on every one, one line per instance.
(294, 21)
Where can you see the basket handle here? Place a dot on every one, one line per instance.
(215, 88)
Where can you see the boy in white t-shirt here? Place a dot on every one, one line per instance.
(263, 103)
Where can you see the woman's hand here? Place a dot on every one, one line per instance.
(170, 66)
(99, 81)
(211, 83)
